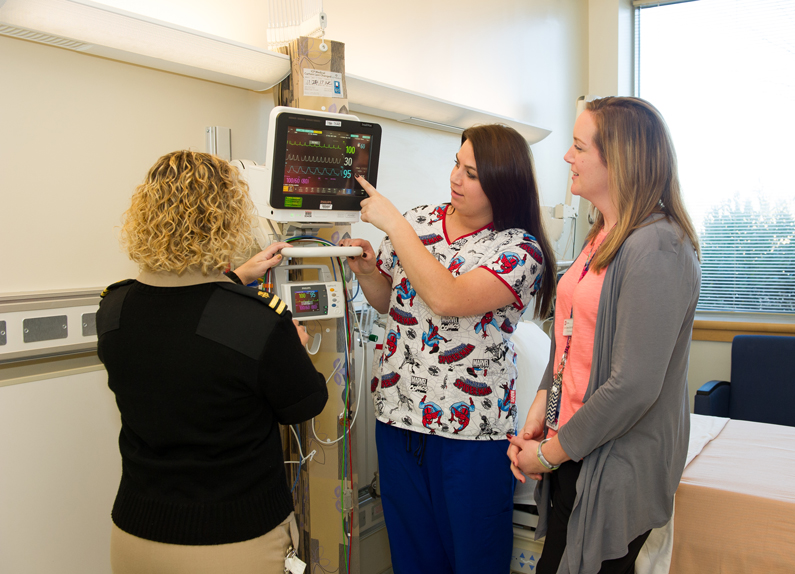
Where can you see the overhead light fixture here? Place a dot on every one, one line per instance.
(101, 30)
(405, 106)
(433, 125)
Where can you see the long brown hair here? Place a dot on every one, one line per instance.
(506, 174)
(634, 143)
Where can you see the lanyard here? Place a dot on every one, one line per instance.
(553, 401)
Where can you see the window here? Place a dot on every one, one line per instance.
(722, 72)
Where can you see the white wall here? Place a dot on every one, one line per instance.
(417, 173)
(524, 60)
(242, 20)
(80, 133)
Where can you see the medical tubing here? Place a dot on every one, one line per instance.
(347, 470)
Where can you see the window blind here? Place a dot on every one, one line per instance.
(749, 260)
(726, 89)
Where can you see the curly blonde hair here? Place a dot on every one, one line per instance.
(193, 210)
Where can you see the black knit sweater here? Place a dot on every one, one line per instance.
(203, 374)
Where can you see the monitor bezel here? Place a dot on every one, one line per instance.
(317, 202)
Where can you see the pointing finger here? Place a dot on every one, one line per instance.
(371, 191)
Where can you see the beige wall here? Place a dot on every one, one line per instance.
(611, 48)
(59, 472)
(84, 130)
(709, 361)
(80, 133)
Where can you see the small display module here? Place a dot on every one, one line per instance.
(315, 300)
(306, 301)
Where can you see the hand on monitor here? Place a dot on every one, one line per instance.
(364, 264)
(377, 209)
(260, 263)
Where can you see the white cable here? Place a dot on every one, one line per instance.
(359, 395)
(361, 376)
(570, 238)
(337, 368)
(310, 456)
(316, 339)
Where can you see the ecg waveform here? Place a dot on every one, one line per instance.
(314, 171)
(313, 158)
(304, 144)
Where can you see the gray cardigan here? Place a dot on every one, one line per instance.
(633, 429)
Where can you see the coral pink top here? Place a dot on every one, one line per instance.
(585, 295)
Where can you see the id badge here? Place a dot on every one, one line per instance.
(568, 327)
(553, 406)
(293, 564)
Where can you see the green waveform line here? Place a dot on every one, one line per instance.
(312, 145)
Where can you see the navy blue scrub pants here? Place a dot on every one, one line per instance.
(448, 504)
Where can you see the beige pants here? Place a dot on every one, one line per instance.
(264, 555)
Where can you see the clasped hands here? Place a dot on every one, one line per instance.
(523, 452)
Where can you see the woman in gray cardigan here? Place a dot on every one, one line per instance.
(612, 408)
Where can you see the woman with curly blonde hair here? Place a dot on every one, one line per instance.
(193, 210)
(204, 370)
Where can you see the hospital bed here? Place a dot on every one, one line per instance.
(735, 506)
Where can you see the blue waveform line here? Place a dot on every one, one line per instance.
(314, 171)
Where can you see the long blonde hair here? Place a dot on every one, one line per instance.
(193, 210)
(634, 143)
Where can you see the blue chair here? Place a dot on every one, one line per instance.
(762, 387)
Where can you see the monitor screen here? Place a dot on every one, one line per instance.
(309, 301)
(306, 301)
(316, 158)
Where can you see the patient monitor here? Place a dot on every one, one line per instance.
(313, 156)
(307, 181)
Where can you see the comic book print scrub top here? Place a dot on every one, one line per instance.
(454, 376)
